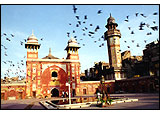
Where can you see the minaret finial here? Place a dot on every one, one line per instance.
(110, 15)
(49, 51)
(32, 32)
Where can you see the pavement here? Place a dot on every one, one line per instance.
(145, 101)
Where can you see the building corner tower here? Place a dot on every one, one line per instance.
(113, 35)
(31, 69)
(73, 65)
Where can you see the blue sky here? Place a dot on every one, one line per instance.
(51, 22)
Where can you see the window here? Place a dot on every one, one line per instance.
(84, 91)
(54, 74)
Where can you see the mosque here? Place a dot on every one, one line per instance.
(47, 77)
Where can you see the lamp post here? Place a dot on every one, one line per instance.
(102, 82)
(68, 84)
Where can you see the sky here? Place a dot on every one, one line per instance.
(52, 22)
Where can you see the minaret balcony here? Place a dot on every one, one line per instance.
(111, 33)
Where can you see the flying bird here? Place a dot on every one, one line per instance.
(5, 48)
(68, 34)
(83, 29)
(89, 35)
(126, 20)
(12, 35)
(77, 17)
(91, 32)
(154, 22)
(129, 28)
(91, 25)
(74, 8)
(97, 28)
(127, 16)
(85, 17)
(145, 41)
(5, 34)
(141, 28)
(143, 15)
(25, 40)
(149, 33)
(8, 39)
(132, 41)
(155, 13)
(147, 25)
(132, 32)
(41, 39)
(4, 62)
(99, 11)
(86, 28)
(5, 54)
(136, 14)
(77, 25)
(154, 28)
(79, 22)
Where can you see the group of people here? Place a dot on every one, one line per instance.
(64, 94)
(101, 94)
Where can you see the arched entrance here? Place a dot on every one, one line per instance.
(54, 93)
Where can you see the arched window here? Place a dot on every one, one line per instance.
(54, 74)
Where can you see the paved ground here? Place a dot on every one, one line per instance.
(146, 101)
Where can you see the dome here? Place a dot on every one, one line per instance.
(72, 43)
(110, 20)
(72, 40)
(32, 39)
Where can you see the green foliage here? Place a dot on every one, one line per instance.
(110, 100)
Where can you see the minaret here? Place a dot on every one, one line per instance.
(73, 66)
(32, 47)
(112, 35)
(72, 49)
(32, 53)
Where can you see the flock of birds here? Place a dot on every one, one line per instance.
(14, 68)
(87, 31)
(142, 27)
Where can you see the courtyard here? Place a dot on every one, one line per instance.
(145, 101)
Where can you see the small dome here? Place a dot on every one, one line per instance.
(72, 43)
(32, 39)
(72, 40)
(110, 20)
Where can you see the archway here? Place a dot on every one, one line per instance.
(54, 93)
